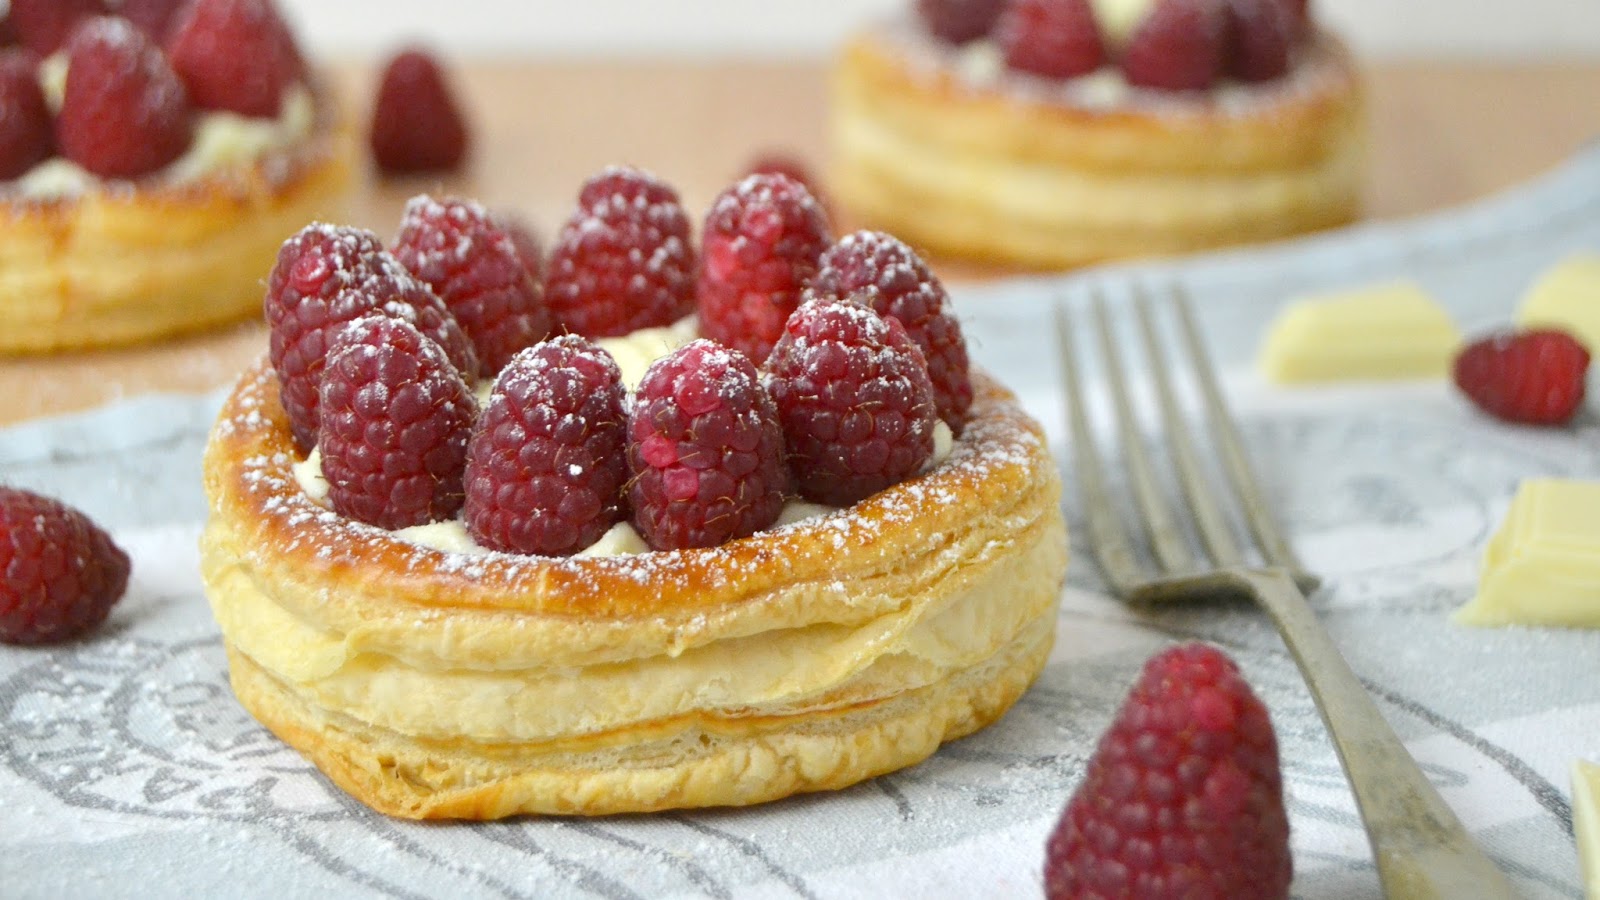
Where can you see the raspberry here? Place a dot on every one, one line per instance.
(8, 32)
(1053, 38)
(854, 399)
(471, 262)
(27, 135)
(546, 467)
(416, 123)
(124, 113)
(1178, 47)
(396, 417)
(1259, 35)
(623, 260)
(959, 21)
(1183, 797)
(60, 574)
(761, 243)
(526, 240)
(327, 276)
(153, 17)
(882, 270)
(705, 450)
(777, 162)
(235, 55)
(1532, 377)
(44, 26)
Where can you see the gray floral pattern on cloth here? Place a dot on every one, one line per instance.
(128, 769)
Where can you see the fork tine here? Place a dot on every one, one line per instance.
(1171, 548)
(1231, 446)
(1208, 516)
(1107, 538)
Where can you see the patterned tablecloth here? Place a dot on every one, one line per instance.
(127, 768)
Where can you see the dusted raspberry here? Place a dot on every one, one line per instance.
(546, 467)
(327, 276)
(60, 574)
(1532, 377)
(1259, 36)
(417, 125)
(153, 17)
(235, 55)
(124, 113)
(623, 261)
(472, 263)
(761, 243)
(854, 399)
(1178, 47)
(44, 26)
(882, 270)
(527, 243)
(705, 450)
(1183, 797)
(1053, 38)
(27, 135)
(396, 417)
(959, 21)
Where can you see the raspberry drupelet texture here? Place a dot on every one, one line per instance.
(1053, 38)
(396, 417)
(526, 240)
(1178, 47)
(473, 265)
(1532, 377)
(417, 125)
(26, 131)
(1183, 796)
(44, 26)
(235, 55)
(761, 244)
(705, 450)
(853, 395)
(881, 270)
(624, 260)
(547, 465)
(124, 112)
(960, 21)
(325, 277)
(60, 574)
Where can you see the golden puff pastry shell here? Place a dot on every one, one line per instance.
(806, 658)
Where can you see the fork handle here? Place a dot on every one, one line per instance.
(1422, 849)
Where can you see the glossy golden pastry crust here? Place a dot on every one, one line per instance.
(434, 685)
(1020, 171)
(134, 262)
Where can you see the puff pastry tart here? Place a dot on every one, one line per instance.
(1020, 147)
(734, 586)
(433, 684)
(128, 232)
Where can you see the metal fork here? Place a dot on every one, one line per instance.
(1421, 848)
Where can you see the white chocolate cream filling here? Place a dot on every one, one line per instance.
(634, 353)
(221, 140)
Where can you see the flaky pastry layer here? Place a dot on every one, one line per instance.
(1021, 171)
(806, 658)
(133, 262)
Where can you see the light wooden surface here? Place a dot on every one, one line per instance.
(1442, 134)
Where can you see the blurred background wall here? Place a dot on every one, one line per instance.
(1433, 28)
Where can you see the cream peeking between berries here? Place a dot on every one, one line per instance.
(129, 95)
(861, 367)
(1170, 45)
